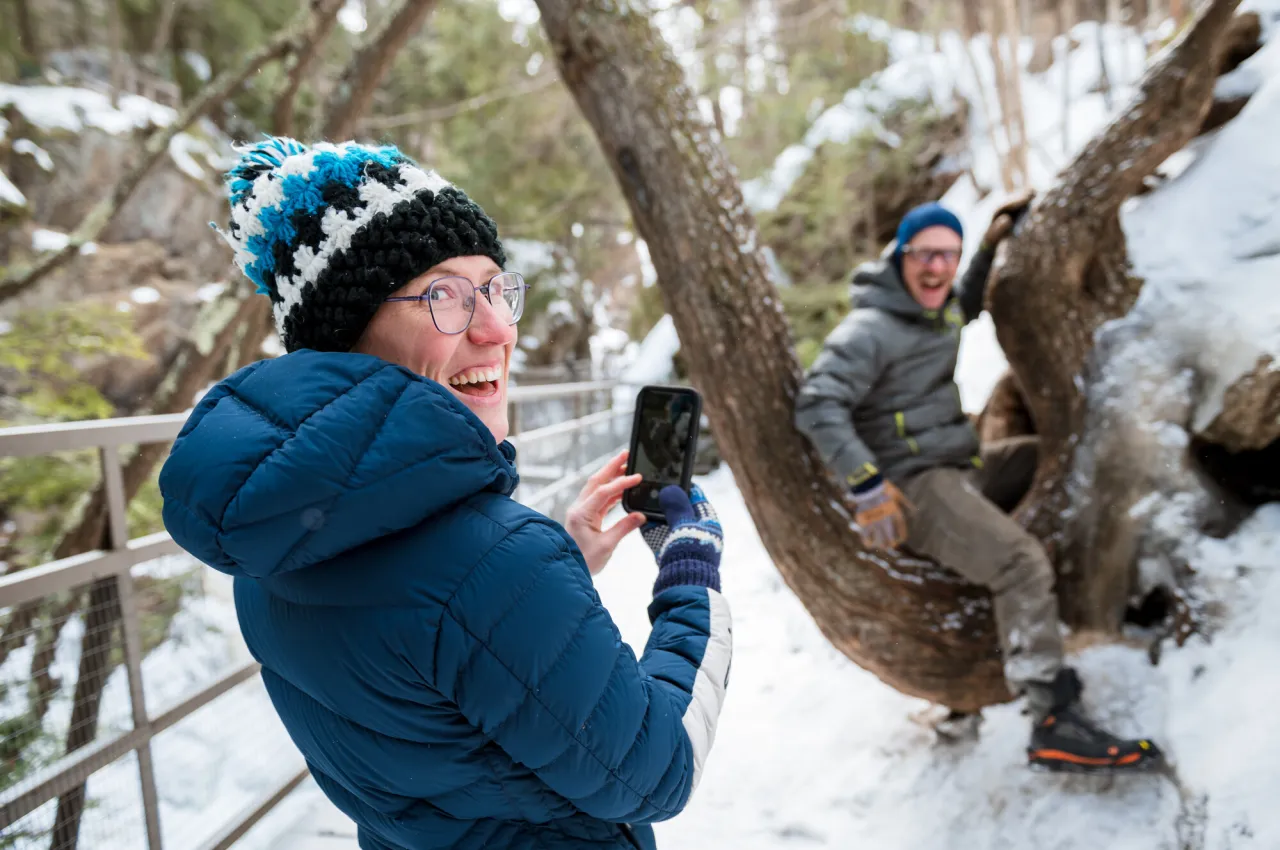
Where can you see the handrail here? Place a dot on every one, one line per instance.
(54, 576)
(571, 480)
(27, 440)
(569, 426)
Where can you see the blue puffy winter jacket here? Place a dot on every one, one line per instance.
(436, 650)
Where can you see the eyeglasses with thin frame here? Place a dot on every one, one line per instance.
(926, 256)
(452, 300)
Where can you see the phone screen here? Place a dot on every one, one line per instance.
(666, 428)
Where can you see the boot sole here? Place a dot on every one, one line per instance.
(1146, 764)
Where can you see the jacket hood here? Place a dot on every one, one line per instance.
(292, 461)
(879, 284)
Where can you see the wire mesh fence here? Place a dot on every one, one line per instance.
(64, 683)
(60, 654)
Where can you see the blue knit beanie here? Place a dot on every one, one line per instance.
(923, 217)
(328, 231)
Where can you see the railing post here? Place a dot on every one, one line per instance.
(513, 418)
(117, 520)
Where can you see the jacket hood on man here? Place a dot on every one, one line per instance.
(291, 461)
(878, 284)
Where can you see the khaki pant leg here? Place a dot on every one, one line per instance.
(954, 524)
(1008, 468)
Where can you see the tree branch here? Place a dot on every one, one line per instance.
(451, 110)
(327, 15)
(1071, 241)
(1065, 272)
(294, 36)
(352, 95)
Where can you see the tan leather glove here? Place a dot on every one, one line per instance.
(881, 516)
(1005, 217)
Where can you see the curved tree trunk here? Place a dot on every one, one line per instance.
(912, 623)
(1066, 272)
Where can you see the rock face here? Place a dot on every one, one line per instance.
(1250, 417)
(158, 260)
(171, 207)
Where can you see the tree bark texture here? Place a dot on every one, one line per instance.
(913, 624)
(354, 93)
(1065, 272)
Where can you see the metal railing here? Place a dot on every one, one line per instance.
(110, 574)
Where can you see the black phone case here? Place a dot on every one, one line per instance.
(690, 449)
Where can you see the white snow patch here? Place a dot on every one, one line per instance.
(529, 256)
(198, 64)
(939, 76)
(181, 148)
(352, 18)
(72, 109)
(653, 358)
(210, 291)
(39, 154)
(145, 295)
(648, 274)
(813, 751)
(10, 195)
(1211, 236)
(43, 239)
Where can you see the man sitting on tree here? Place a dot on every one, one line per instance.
(881, 406)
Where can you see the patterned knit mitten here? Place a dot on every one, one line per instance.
(688, 545)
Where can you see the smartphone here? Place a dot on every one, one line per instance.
(664, 439)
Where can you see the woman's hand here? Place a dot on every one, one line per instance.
(602, 491)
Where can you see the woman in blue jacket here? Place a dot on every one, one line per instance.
(436, 650)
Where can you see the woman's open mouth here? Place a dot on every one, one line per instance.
(480, 382)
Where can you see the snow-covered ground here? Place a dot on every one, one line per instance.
(814, 751)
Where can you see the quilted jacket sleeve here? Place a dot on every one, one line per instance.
(841, 377)
(533, 659)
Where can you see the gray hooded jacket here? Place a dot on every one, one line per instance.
(882, 397)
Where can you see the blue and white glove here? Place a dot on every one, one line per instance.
(687, 546)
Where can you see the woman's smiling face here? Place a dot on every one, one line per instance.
(472, 364)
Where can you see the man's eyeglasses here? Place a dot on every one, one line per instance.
(926, 256)
(452, 300)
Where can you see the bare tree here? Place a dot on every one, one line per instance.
(354, 93)
(1066, 273)
(282, 115)
(910, 622)
(970, 26)
(29, 44)
(164, 27)
(115, 36)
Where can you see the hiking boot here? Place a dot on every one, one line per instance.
(1066, 741)
(958, 727)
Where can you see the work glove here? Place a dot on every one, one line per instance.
(1005, 217)
(881, 519)
(687, 545)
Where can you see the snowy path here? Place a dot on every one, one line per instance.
(812, 751)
